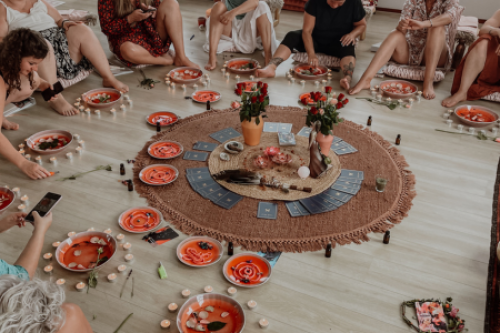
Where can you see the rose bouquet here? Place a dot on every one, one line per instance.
(253, 103)
(326, 112)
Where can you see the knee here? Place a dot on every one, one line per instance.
(441, 29)
(218, 8)
(263, 6)
(397, 36)
(127, 50)
(169, 5)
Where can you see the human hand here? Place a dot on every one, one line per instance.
(42, 224)
(68, 24)
(417, 25)
(33, 170)
(348, 39)
(11, 220)
(138, 15)
(227, 17)
(403, 25)
(313, 60)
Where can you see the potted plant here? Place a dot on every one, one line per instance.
(327, 114)
(252, 106)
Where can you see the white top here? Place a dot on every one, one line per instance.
(37, 19)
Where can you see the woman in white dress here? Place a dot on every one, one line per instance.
(240, 26)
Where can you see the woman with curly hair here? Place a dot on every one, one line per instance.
(73, 46)
(21, 51)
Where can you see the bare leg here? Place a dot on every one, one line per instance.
(47, 71)
(474, 65)
(264, 31)
(281, 54)
(83, 42)
(347, 65)
(136, 54)
(217, 28)
(395, 47)
(169, 23)
(435, 48)
(20, 95)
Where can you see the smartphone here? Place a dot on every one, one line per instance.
(44, 206)
(48, 93)
(149, 10)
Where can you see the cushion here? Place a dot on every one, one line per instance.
(468, 29)
(415, 73)
(324, 60)
(79, 15)
(495, 97)
(68, 83)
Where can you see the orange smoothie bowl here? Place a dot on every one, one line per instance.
(6, 198)
(44, 142)
(247, 270)
(475, 115)
(79, 252)
(159, 174)
(221, 308)
(185, 75)
(140, 219)
(235, 65)
(199, 251)
(165, 150)
(318, 73)
(101, 98)
(166, 118)
(398, 89)
(203, 96)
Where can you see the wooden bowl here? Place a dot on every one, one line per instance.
(487, 114)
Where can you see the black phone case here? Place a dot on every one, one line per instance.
(47, 94)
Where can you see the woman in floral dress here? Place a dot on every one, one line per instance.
(425, 36)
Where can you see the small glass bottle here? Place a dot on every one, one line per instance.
(398, 140)
(369, 122)
(230, 249)
(130, 186)
(208, 106)
(387, 237)
(328, 252)
(122, 169)
(158, 127)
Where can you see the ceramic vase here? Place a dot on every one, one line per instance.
(252, 132)
(325, 143)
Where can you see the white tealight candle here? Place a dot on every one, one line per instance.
(38, 159)
(263, 323)
(76, 136)
(78, 99)
(127, 246)
(411, 100)
(69, 156)
(25, 198)
(47, 256)
(252, 304)
(172, 85)
(184, 87)
(28, 157)
(379, 97)
(21, 207)
(87, 110)
(303, 82)
(60, 282)
(228, 75)
(16, 191)
(292, 80)
(323, 81)
(48, 269)
(129, 257)
(79, 150)
(126, 97)
(223, 70)
(71, 233)
(81, 143)
(208, 81)
(122, 268)
(56, 244)
(120, 237)
(113, 110)
(81, 108)
(316, 84)
(80, 286)
(205, 84)
(252, 77)
(108, 231)
(208, 289)
(21, 145)
(122, 107)
(186, 293)
(195, 87)
(165, 324)
(112, 277)
(172, 307)
(206, 75)
(450, 112)
(22, 152)
(91, 229)
(231, 291)
(237, 78)
(97, 112)
(77, 104)
(389, 99)
(53, 160)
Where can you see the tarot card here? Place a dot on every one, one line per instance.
(352, 174)
(337, 195)
(220, 136)
(301, 208)
(349, 180)
(229, 200)
(160, 236)
(205, 146)
(348, 184)
(267, 210)
(339, 145)
(286, 139)
(346, 189)
(231, 132)
(293, 209)
(197, 186)
(195, 156)
(198, 177)
(322, 201)
(305, 131)
(346, 150)
(217, 195)
(312, 206)
(272, 257)
(197, 170)
(207, 190)
(285, 127)
(271, 127)
(336, 139)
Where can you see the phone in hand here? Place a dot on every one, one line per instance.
(149, 10)
(44, 206)
(48, 93)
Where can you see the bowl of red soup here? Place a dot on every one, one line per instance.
(242, 65)
(398, 89)
(49, 141)
(101, 98)
(475, 115)
(247, 270)
(308, 72)
(199, 251)
(6, 198)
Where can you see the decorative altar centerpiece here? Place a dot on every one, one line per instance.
(253, 104)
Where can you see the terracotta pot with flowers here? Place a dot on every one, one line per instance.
(327, 114)
(252, 106)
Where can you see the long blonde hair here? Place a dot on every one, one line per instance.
(125, 7)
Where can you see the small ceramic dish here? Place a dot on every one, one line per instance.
(224, 157)
(159, 174)
(306, 72)
(199, 251)
(102, 97)
(185, 75)
(37, 141)
(398, 89)
(140, 219)
(203, 96)
(247, 270)
(235, 65)
(166, 118)
(165, 150)
(229, 150)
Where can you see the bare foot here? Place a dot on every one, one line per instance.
(169, 60)
(428, 92)
(454, 100)
(185, 63)
(9, 125)
(361, 85)
(211, 65)
(63, 107)
(268, 71)
(114, 83)
(267, 61)
(346, 82)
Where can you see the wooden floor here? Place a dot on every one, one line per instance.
(440, 250)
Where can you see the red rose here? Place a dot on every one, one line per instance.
(328, 90)
(341, 97)
(265, 85)
(304, 101)
(238, 91)
(345, 101)
(240, 85)
(261, 98)
(254, 99)
(313, 96)
(263, 91)
(260, 84)
(314, 111)
(339, 105)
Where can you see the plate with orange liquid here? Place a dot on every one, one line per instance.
(159, 174)
(49, 141)
(102, 97)
(216, 309)
(79, 252)
(247, 270)
(398, 89)
(165, 150)
(242, 65)
(166, 118)
(140, 219)
(203, 96)
(199, 251)
(185, 74)
(475, 115)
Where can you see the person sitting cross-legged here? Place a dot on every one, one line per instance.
(330, 27)
(425, 36)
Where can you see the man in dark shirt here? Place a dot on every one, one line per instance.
(330, 27)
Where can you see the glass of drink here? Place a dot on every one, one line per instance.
(380, 183)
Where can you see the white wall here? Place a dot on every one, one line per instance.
(482, 9)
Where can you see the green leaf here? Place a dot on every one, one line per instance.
(257, 120)
(216, 326)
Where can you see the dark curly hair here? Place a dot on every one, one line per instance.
(18, 44)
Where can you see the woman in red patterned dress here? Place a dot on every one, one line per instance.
(140, 36)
